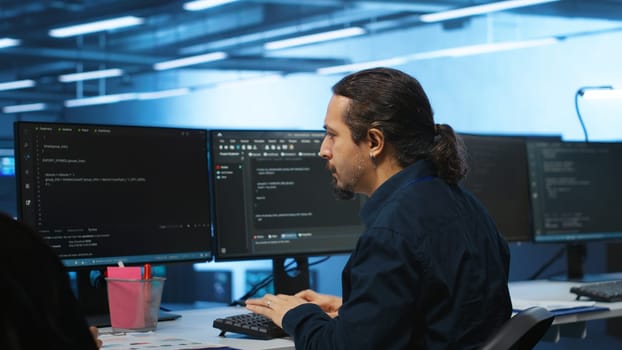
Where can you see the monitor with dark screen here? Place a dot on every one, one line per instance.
(576, 191)
(273, 198)
(498, 177)
(103, 194)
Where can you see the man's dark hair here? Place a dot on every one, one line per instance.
(395, 103)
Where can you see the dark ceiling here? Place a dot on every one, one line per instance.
(240, 29)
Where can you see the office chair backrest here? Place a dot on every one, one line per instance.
(523, 331)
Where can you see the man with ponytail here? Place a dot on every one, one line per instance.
(431, 270)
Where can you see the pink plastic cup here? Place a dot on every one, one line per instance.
(134, 304)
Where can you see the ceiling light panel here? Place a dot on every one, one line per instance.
(190, 61)
(9, 42)
(98, 100)
(315, 38)
(30, 107)
(153, 95)
(480, 9)
(97, 26)
(460, 51)
(98, 74)
(17, 84)
(201, 5)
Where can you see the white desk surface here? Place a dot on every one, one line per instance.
(196, 325)
(560, 290)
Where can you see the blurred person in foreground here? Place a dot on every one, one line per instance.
(40, 310)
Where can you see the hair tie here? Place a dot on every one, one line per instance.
(437, 129)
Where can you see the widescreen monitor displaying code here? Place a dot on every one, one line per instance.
(100, 194)
(273, 196)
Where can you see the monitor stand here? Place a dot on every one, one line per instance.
(92, 296)
(575, 256)
(290, 280)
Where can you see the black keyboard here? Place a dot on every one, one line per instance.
(609, 291)
(253, 325)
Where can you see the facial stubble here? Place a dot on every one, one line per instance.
(347, 189)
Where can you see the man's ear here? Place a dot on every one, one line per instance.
(376, 142)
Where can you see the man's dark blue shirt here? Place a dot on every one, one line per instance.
(429, 272)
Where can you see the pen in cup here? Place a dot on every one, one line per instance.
(147, 272)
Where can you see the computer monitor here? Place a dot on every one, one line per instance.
(103, 194)
(498, 177)
(273, 198)
(7, 182)
(7, 162)
(576, 198)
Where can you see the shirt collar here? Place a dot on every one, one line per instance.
(420, 170)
